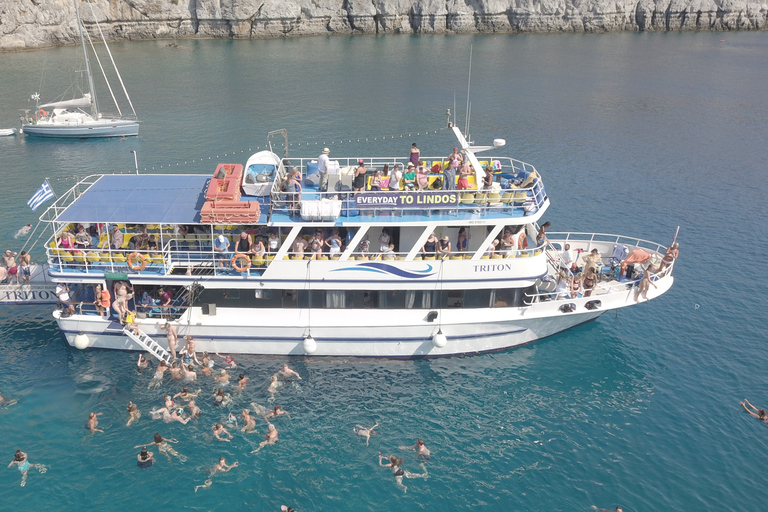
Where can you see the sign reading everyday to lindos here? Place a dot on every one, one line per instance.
(406, 199)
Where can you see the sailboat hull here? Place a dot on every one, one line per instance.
(96, 129)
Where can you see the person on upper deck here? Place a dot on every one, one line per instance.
(358, 183)
(82, 238)
(430, 246)
(422, 178)
(451, 170)
(322, 168)
(409, 178)
(244, 243)
(541, 236)
(566, 258)
(395, 177)
(152, 243)
(316, 245)
(415, 155)
(444, 247)
(464, 172)
(299, 246)
(376, 181)
(117, 237)
(221, 249)
(273, 243)
(488, 179)
(333, 242)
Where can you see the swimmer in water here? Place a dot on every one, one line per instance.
(158, 378)
(219, 430)
(164, 447)
(365, 432)
(186, 395)
(220, 467)
(242, 382)
(221, 398)
(188, 371)
(175, 371)
(274, 413)
(133, 414)
(223, 378)
(93, 422)
(249, 423)
(274, 385)
(145, 459)
(21, 460)
(617, 509)
(231, 419)
(757, 413)
(4, 402)
(193, 410)
(396, 465)
(421, 451)
(143, 362)
(228, 361)
(287, 374)
(269, 438)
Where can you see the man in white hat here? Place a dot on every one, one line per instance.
(322, 168)
(221, 248)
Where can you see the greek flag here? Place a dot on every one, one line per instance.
(43, 194)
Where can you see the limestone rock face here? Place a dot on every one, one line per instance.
(39, 23)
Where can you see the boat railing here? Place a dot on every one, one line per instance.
(604, 238)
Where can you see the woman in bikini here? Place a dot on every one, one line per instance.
(133, 413)
(396, 465)
(589, 282)
(670, 256)
(576, 285)
(644, 284)
(21, 460)
(757, 413)
(165, 448)
(541, 236)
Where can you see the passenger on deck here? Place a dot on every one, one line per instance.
(376, 181)
(358, 183)
(394, 179)
(244, 243)
(508, 244)
(152, 243)
(644, 284)
(117, 238)
(102, 301)
(461, 242)
(316, 245)
(221, 249)
(562, 287)
(299, 246)
(464, 172)
(488, 179)
(25, 261)
(591, 260)
(429, 248)
(322, 168)
(258, 247)
(491, 248)
(541, 236)
(423, 178)
(82, 239)
(9, 259)
(384, 240)
(62, 293)
(67, 240)
(409, 178)
(590, 281)
(444, 247)
(415, 155)
(273, 243)
(670, 255)
(566, 258)
(576, 284)
(292, 188)
(333, 242)
(451, 170)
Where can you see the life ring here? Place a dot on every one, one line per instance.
(131, 260)
(238, 257)
(42, 112)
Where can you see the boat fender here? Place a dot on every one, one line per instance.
(81, 341)
(133, 261)
(439, 340)
(245, 266)
(310, 345)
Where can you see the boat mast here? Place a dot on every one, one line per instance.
(94, 106)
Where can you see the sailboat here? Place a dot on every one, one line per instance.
(68, 119)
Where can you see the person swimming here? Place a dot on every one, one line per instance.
(274, 413)
(145, 459)
(165, 448)
(219, 430)
(270, 438)
(93, 422)
(421, 451)
(133, 413)
(365, 432)
(396, 465)
(219, 467)
(21, 460)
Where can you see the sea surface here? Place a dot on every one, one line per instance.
(634, 134)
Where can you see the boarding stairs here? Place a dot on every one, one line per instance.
(148, 344)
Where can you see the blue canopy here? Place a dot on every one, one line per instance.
(140, 199)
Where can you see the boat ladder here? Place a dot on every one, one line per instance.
(148, 344)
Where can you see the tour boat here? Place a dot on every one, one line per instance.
(382, 288)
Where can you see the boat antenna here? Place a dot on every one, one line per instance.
(469, 83)
(94, 105)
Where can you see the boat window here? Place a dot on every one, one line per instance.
(477, 298)
(392, 299)
(231, 294)
(453, 298)
(290, 299)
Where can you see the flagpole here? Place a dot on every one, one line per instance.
(56, 198)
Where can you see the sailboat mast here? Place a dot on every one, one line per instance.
(94, 106)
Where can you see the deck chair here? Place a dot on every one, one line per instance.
(619, 254)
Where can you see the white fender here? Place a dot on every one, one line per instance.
(82, 341)
(439, 340)
(310, 345)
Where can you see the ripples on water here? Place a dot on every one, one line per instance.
(634, 134)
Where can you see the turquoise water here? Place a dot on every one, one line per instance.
(634, 134)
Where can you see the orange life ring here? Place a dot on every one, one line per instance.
(238, 257)
(132, 259)
(42, 112)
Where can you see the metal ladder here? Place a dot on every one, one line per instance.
(149, 345)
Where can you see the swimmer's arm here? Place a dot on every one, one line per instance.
(14, 461)
(750, 412)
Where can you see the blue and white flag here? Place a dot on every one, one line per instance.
(43, 194)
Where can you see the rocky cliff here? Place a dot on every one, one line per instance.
(39, 23)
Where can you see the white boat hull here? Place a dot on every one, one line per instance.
(40, 289)
(283, 331)
(99, 129)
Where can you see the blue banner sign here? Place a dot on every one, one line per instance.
(432, 199)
